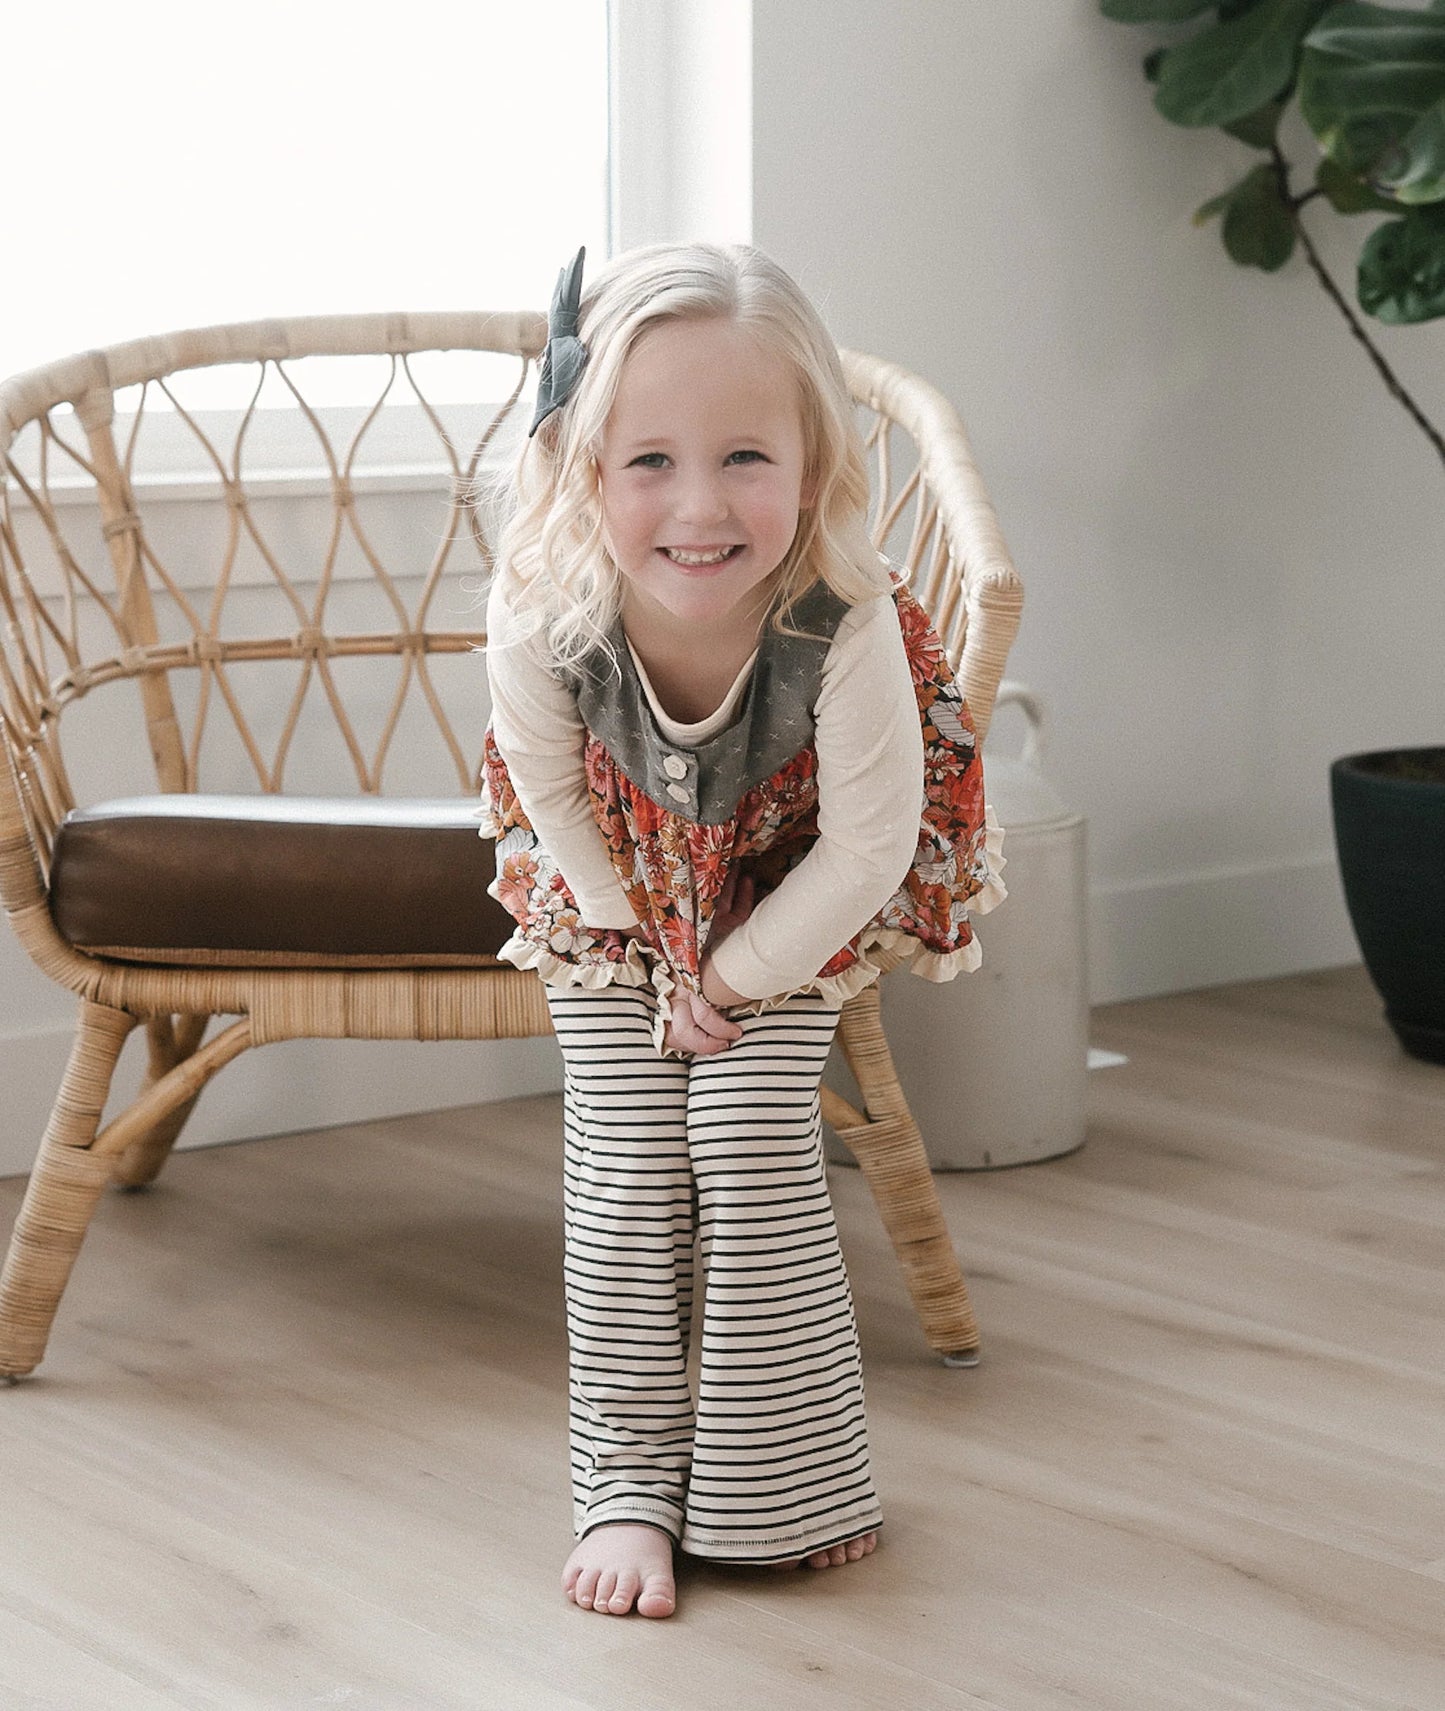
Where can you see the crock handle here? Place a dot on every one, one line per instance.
(1019, 695)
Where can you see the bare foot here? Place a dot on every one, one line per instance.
(836, 1555)
(620, 1564)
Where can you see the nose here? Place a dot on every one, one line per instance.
(699, 498)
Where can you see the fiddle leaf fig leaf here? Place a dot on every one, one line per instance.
(1232, 69)
(1347, 194)
(1372, 89)
(1258, 128)
(1258, 224)
(1153, 11)
(1416, 172)
(1402, 268)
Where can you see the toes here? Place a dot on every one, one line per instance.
(606, 1586)
(834, 1556)
(586, 1588)
(658, 1597)
(624, 1593)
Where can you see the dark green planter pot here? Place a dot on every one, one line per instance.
(1390, 833)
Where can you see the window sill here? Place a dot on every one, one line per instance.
(205, 486)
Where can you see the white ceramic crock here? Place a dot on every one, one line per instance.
(994, 1063)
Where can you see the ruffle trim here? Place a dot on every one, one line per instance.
(523, 952)
(556, 971)
(643, 967)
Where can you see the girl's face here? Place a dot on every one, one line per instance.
(701, 472)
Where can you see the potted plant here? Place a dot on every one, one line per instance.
(1370, 84)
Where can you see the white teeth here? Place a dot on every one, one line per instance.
(678, 556)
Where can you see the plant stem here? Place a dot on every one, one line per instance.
(1387, 374)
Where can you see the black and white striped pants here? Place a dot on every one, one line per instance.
(771, 1460)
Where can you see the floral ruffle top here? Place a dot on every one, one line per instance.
(673, 869)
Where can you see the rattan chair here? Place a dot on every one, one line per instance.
(248, 651)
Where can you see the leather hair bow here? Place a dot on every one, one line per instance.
(565, 356)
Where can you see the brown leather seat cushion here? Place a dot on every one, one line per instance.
(301, 881)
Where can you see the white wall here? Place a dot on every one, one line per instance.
(1229, 533)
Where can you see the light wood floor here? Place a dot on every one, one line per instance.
(300, 1437)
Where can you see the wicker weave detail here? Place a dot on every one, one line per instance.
(890, 1151)
(64, 1186)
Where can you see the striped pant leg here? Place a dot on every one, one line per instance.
(780, 1452)
(629, 1217)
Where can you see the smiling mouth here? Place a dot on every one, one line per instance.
(686, 560)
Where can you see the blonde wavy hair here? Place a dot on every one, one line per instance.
(555, 571)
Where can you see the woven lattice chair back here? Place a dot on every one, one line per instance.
(283, 596)
(287, 606)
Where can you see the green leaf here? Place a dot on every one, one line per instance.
(1416, 171)
(1258, 228)
(1215, 205)
(1231, 70)
(1372, 89)
(1402, 269)
(1153, 11)
(1348, 194)
(1258, 128)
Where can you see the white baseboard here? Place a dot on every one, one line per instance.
(276, 1089)
(1213, 928)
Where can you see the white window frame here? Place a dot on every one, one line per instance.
(680, 121)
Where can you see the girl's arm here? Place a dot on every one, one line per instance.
(537, 729)
(870, 797)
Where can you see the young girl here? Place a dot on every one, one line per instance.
(727, 762)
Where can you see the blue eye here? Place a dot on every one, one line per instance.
(648, 460)
(747, 456)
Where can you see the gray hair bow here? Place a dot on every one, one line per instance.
(565, 356)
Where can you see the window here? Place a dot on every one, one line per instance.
(310, 159)
(312, 163)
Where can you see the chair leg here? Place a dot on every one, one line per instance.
(64, 1186)
(889, 1150)
(171, 1040)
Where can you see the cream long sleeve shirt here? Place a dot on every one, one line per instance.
(869, 744)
